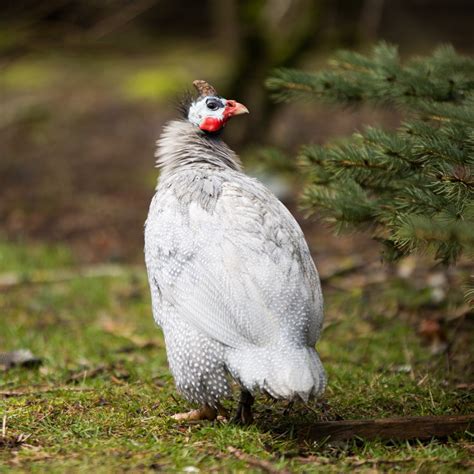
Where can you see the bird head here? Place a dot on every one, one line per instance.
(209, 111)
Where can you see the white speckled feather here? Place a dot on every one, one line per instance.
(227, 260)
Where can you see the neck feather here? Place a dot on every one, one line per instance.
(183, 144)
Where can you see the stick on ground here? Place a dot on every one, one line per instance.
(416, 427)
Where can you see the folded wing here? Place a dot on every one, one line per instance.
(242, 273)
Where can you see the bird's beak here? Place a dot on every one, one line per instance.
(235, 108)
(240, 109)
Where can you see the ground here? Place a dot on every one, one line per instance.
(103, 397)
(77, 134)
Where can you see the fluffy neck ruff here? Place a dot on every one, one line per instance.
(182, 144)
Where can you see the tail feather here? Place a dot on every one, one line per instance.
(285, 374)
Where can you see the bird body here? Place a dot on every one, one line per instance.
(232, 281)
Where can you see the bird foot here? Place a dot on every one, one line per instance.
(244, 409)
(288, 407)
(243, 416)
(204, 413)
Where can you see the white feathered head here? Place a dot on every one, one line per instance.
(210, 112)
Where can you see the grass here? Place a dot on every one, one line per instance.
(103, 397)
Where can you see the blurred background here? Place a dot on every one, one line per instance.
(85, 87)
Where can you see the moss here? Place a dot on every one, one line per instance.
(110, 393)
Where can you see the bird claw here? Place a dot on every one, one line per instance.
(203, 413)
(243, 416)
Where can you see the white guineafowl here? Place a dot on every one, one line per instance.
(232, 281)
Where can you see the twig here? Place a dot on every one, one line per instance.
(137, 347)
(14, 441)
(265, 466)
(354, 462)
(21, 393)
(416, 427)
(361, 462)
(408, 358)
(86, 373)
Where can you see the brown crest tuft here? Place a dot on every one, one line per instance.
(204, 88)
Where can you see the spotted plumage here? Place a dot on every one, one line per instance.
(232, 281)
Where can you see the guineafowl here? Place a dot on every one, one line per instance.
(233, 284)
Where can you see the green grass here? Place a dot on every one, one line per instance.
(111, 396)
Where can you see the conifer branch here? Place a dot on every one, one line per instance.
(415, 185)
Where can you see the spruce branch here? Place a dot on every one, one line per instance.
(412, 187)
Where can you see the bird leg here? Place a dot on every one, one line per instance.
(205, 412)
(288, 407)
(244, 409)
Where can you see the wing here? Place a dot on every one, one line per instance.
(242, 273)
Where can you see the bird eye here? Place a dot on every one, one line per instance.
(212, 104)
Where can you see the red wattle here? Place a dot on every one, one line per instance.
(211, 124)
